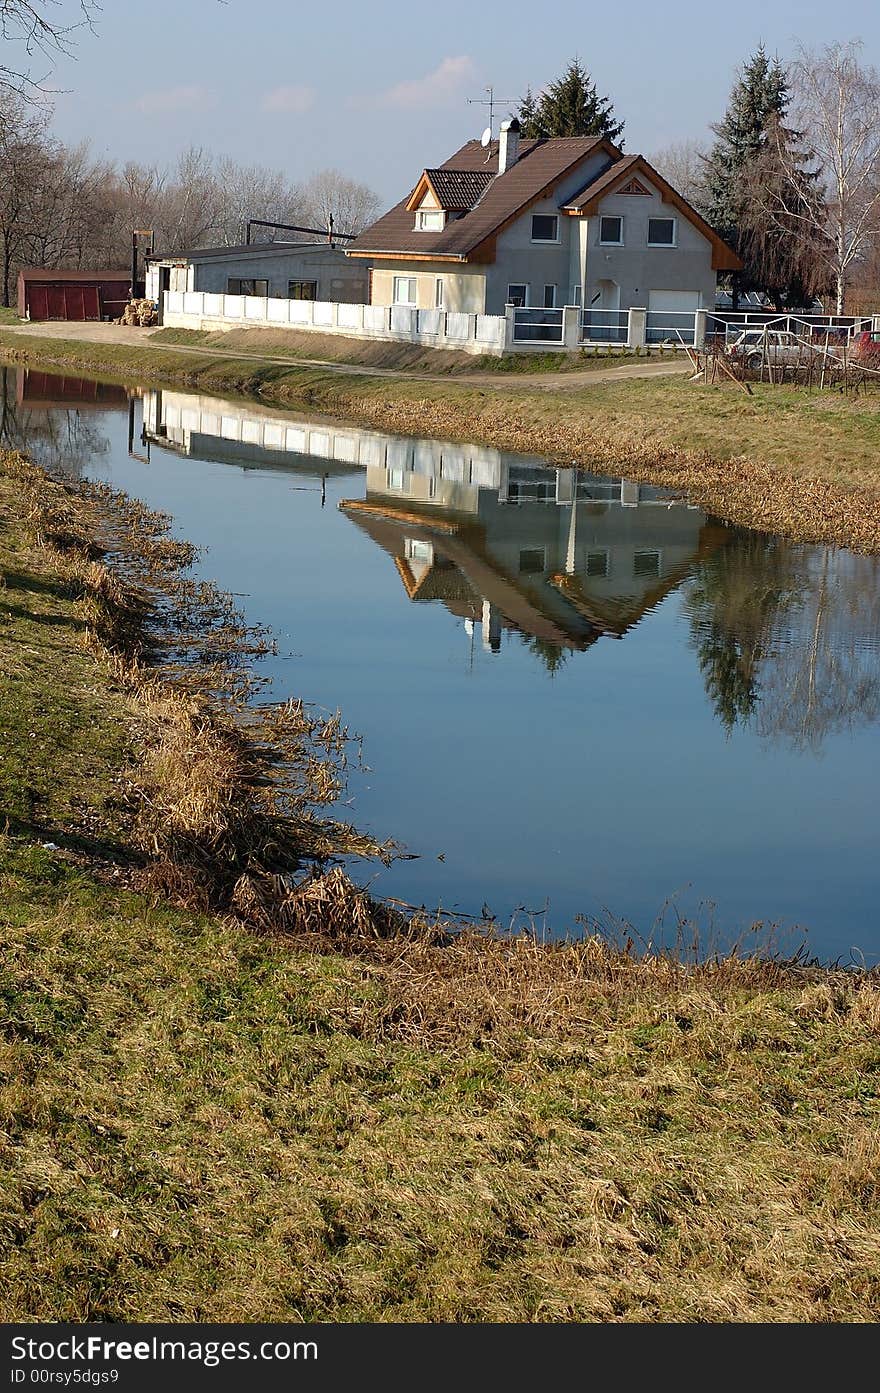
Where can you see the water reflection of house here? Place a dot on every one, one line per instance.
(557, 554)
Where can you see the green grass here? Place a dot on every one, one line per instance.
(199, 1122)
(8, 315)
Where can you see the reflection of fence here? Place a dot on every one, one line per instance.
(605, 326)
(537, 326)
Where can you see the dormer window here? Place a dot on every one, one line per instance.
(430, 220)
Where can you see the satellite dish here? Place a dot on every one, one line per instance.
(486, 137)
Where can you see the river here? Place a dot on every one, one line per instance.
(579, 698)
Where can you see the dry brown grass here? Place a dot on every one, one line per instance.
(345, 1116)
(219, 800)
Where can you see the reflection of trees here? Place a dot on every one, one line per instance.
(825, 678)
(62, 438)
(552, 655)
(787, 637)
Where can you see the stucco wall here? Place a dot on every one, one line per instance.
(519, 260)
(637, 268)
(463, 290)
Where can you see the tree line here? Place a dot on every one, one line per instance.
(791, 178)
(62, 207)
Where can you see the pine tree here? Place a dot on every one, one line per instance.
(742, 169)
(570, 106)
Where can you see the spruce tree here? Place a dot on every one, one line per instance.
(744, 175)
(570, 106)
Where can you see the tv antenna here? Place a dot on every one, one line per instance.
(491, 101)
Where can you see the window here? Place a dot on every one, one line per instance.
(549, 297)
(438, 293)
(416, 550)
(646, 563)
(237, 286)
(430, 220)
(611, 232)
(395, 479)
(404, 290)
(518, 295)
(531, 562)
(545, 227)
(575, 294)
(597, 563)
(661, 232)
(302, 290)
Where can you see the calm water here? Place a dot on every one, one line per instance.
(575, 694)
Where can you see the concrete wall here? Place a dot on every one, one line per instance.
(637, 268)
(467, 333)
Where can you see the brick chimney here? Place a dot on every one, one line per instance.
(508, 145)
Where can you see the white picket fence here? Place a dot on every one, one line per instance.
(468, 333)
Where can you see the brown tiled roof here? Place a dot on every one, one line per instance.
(540, 166)
(459, 189)
(604, 181)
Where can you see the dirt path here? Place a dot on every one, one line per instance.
(133, 337)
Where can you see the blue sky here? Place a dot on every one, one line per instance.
(380, 90)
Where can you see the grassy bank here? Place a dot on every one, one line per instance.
(206, 1115)
(805, 466)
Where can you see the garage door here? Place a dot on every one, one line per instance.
(675, 301)
(670, 313)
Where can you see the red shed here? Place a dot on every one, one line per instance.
(44, 294)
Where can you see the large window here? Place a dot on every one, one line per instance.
(545, 227)
(302, 290)
(405, 290)
(235, 285)
(611, 232)
(518, 295)
(661, 232)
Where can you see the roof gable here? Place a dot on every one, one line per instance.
(617, 180)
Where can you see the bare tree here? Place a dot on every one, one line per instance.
(683, 164)
(252, 191)
(836, 107)
(354, 206)
(32, 28)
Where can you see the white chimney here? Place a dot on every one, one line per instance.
(508, 145)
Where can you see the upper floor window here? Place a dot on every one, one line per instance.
(661, 232)
(545, 227)
(430, 220)
(611, 232)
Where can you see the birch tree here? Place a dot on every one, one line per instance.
(837, 108)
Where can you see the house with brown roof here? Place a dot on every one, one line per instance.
(543, 224)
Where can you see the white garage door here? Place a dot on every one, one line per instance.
(673, 301)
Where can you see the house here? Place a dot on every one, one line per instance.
(53, 294)
(542, 224)
(294, 270)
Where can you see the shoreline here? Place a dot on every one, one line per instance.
(818, 479)
(227, 1104)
